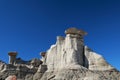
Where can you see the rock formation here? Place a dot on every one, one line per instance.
(68, 59)
(23, 70)
(12, 57)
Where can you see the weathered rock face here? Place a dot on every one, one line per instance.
(68, 59)
(95, 61)
(23, 70)
(2, 65)
(67, 52)
(81, 74)
(70, 52)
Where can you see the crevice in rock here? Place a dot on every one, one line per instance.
(51, 77)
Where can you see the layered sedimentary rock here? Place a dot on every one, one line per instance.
(67, 59)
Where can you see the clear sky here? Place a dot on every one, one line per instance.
(31, 26)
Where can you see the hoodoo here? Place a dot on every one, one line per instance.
(67, 59)
(12, 57)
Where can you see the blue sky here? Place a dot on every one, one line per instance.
(31, 26)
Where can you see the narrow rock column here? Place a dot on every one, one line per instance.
(12, 57)
(74, 46)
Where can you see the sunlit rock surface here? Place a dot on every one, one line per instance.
(96, 61)
(67, 59)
